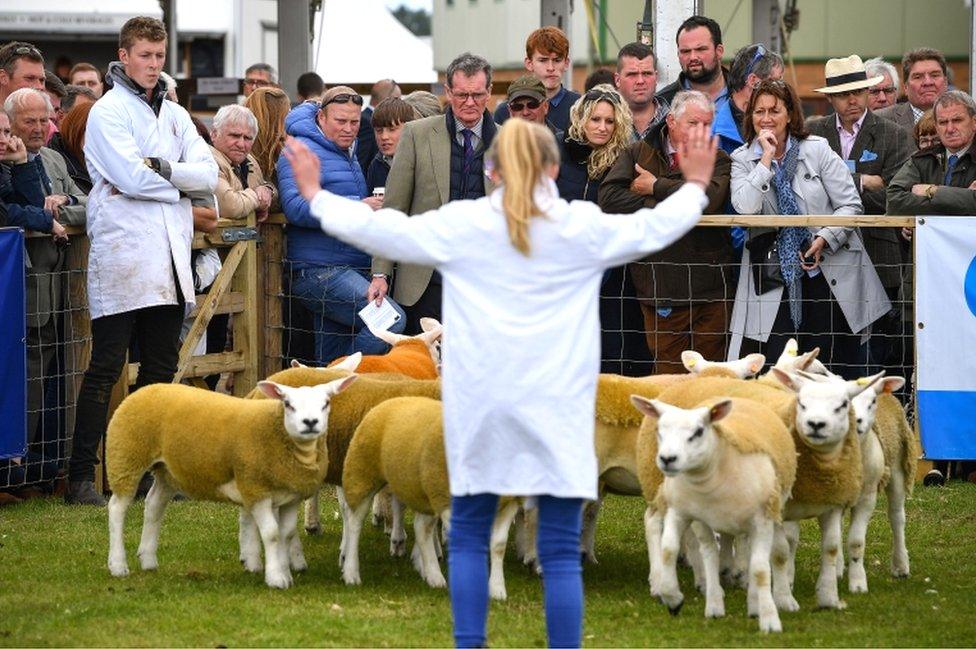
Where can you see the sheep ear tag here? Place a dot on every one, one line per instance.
(720, 410)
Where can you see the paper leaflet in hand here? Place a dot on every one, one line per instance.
(380, 317)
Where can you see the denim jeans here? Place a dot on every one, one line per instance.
(560, 520)
(334, 295)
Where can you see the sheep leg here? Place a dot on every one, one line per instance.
(344, 513)
(782, 586)
(292, 544)
(249, 541)
(714, 594)
(530, 530)
(313, 523)
(425, 558)
(740, 575)
(674, 528)
(857, 578)
(653, 528)
(726, 559)
(760, 594)
(499, 542)
(692, 556)
(276, 575)
(117, 506)
(381, 513)
(353, 527)
(830, 538)
(792, 531)
(591, 511)
(156, 500)
(398, 533)
(895, 491)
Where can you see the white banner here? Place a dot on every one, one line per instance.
(945, 330)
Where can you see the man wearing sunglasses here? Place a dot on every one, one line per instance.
(527, 100)
(330, 277)
(21, 66)
(751, 65)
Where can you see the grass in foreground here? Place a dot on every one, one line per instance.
(55, 588)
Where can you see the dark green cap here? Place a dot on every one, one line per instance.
(528, 85)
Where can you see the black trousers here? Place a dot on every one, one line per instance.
(428, 306)
(156, 331)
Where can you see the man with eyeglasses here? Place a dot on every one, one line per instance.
(926, 78)
(547, 57)
(21, 66)
(874, 149)
(751, 65)
(259, 75)
(636, 80)
(439, 159)
(329, 277)
(885, 92)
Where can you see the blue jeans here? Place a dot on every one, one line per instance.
(560, 520)
(334, 295)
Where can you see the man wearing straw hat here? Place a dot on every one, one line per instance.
(874, 149)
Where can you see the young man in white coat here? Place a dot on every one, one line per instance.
(145, 159)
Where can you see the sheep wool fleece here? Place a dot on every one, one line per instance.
(521, 332)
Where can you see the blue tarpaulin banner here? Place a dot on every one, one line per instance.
(945, 331)
(13, 345)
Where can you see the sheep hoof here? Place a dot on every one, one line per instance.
(148, 561)
(715, 611)
(674, 610)
(436, 580)
(674, 603)
(351, 577)
(588, 556)
(497, 592)
(398, 547)
(770, 625)
(118, 569)
(315, 529)
(899, 572)
(278, 580)
(252, 564)
(298, 564)
(788, 604)
(858, 586)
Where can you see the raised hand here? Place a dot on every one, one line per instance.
(696, 155)
(305, 167)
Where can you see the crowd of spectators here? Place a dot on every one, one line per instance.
(720, 291)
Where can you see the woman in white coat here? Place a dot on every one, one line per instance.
(815, 283)
(521, 350)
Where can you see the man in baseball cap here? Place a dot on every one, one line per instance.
(527, 99)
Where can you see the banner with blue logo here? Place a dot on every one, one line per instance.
(13, 349)
(945, 330)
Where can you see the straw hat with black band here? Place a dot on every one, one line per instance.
(845, 75)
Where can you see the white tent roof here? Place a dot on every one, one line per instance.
(210, 17)
(363, 43)
(73, 16)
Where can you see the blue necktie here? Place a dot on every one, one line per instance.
(467, 134)
(950, 165)
(45, 180)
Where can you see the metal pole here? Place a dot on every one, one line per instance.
(294, 42)
(972, 48)
(558, 13)
(172, 46)
(668, 17)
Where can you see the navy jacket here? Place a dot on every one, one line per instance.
(341, 174)
(574, 182)
(22, 198)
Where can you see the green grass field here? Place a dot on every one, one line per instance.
(55, 588)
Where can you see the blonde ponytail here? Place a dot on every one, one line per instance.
(520, 153)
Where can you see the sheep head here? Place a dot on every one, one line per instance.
(431, 334)
(743, 368)
(686, 439)
(306, 409)
(823, 405)
(791, 360)
(866, 404)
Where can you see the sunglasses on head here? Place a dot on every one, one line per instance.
(343, 98)
(760, 52)
(519, 106)
(23, 50)
(598, 95)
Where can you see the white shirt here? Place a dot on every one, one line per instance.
(521, 349)
(139, 226)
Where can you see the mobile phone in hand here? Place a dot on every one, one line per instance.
(809, 260)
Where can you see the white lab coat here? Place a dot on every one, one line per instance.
(521, 349)
(143, 229)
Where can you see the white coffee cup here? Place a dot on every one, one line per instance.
(379, 192)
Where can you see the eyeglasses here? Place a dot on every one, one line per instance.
(760, 52)
(888, 90)
(925, 141)
(343, 98)
(463, 97)
(257, 83)
(602, 95)
(518, 107)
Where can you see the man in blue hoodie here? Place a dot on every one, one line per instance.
(751, 65)
(330, 278)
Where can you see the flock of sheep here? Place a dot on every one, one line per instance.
(727, 464)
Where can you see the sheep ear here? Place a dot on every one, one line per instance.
(432, 334)
(720, 410)
(889, 384)
(296, 363)
(429, 324)
(337, 386)
(693, 361)
(754, 363)
(388, 337)
(803, 362)
(350, 362)
(816, 378)
(649, 407)
(271, 389)
(793, 383)
(858, 386)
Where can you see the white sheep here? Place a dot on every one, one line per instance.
(265, 456)
(729, 466)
